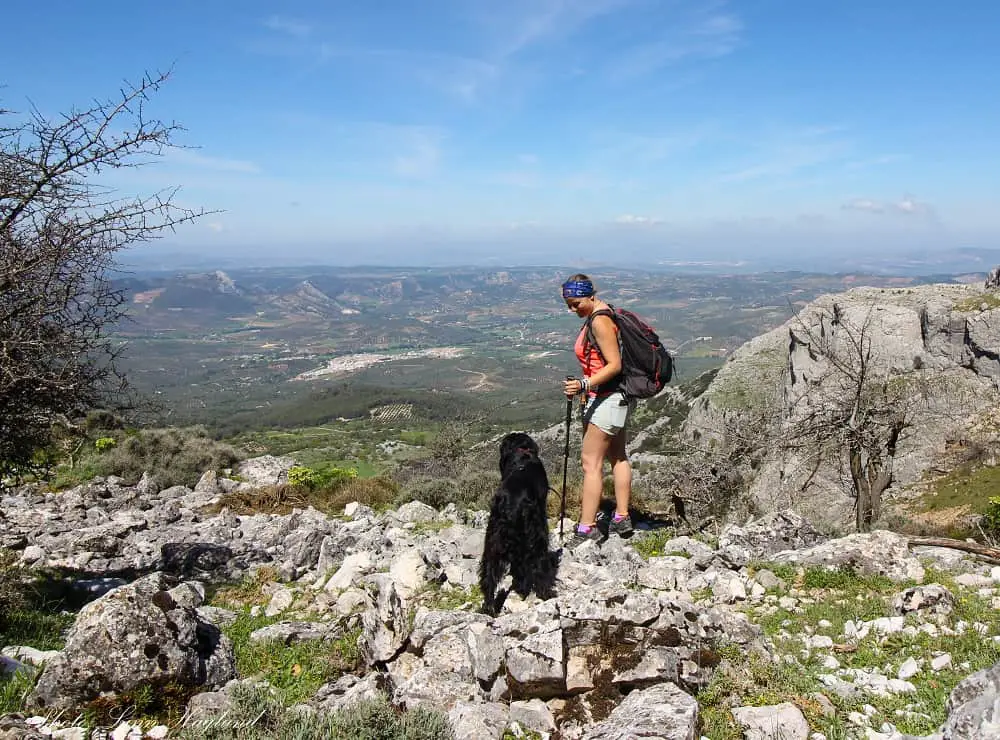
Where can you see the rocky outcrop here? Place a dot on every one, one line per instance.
(764, 537)
(974, 707)
(880, 553)
(992, 280)
(943, 340)
(620, 651)
(108, 529)
(147, 633)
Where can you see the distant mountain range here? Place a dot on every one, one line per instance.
(153, 258)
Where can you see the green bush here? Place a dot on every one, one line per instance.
(470, 491)
(990, 521)
(320, 478)
(436, 492)
(476, 490)
(171, 456)
(418, 439)
(105, 443)
(12, 597)
(376, 719)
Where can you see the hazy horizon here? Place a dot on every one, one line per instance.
(160, 258)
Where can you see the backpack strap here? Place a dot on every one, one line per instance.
(591, 341)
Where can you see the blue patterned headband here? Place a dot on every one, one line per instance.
(577, 289)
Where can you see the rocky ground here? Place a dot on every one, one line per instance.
(769, 630)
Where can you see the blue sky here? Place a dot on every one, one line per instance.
(548, 130)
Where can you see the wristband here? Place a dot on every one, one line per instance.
(584, 385)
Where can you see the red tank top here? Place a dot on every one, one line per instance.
(589, 356)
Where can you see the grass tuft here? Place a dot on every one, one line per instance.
(258, 715)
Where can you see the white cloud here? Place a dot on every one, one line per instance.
(864, 204)
(874, 161)
(191, 158)
(457, 76)
(421, 150)
(910, 206)
(521, 24)
(289, 26)
(707, 33)
(789, 151)
(629, 219)
(216, 227)
(905, 206)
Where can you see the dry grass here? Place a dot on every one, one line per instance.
(377, 493)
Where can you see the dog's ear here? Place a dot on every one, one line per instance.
(508, 444)
(507, 447)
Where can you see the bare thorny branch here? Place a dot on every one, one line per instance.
(853, 410)
(60, 233)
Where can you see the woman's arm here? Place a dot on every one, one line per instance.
(606, 336)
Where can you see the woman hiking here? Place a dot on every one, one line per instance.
(605, 410)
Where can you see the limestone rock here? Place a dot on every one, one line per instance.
(135, 635)
(267, 470)
(662, 711)
(880, 553)
(778, 722)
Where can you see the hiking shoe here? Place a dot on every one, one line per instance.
(578, 537)
(622, 527)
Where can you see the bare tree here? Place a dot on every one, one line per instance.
(61, 230)
(850, 407)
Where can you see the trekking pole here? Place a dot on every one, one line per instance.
(569, 417)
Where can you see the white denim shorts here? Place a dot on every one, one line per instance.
(608, 413)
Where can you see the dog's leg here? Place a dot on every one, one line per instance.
(492, 568)
(544, 569)
(545, 577)
(521, 577)
(491, 572)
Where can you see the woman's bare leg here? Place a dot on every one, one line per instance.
(595, 447)
(621, 472)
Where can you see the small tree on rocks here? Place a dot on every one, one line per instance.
(851, 407)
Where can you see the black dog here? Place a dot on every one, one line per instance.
(517, 535)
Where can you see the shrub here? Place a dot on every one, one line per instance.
(417, 439)
(990, 521)
(11, 587)
(171, 456)
(475, 490)
(377, 493)
(313, 479)
(376, 719)
(105, 443)
(102, 420)
(470, 491)
(258, 714)
(436, 492)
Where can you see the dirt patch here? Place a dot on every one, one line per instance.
(958, 522)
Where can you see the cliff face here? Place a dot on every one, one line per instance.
(937, 346)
